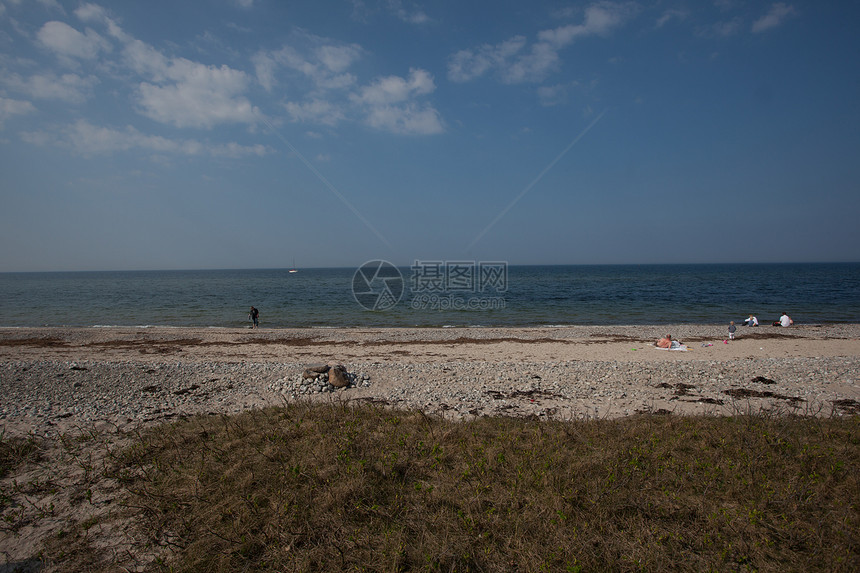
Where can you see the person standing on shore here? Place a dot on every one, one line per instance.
(732, 329)
(254, 315)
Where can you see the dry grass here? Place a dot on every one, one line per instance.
(17, 451)
(365, 488)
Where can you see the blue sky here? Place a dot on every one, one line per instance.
(251, 133)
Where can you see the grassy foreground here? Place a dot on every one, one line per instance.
(346, 488)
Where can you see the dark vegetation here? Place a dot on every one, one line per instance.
(366, 488)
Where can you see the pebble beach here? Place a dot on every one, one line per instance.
(55, 380)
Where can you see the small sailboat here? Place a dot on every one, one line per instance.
(293, 268)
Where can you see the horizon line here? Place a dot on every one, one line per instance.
(453, 260)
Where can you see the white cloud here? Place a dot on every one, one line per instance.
(196, 95)
(87, 139)
(410, 13)
(177, 91)
(394, 89)
(336, 82)
(265, 68)
(531, 67)
(775, 17)
(325, 64)
(233, 150)
(388, 104)
(413, 16)
(146, 60)
(326, 93)
(71, 88)
(315, 111)
(514, 64)
(187, 94)
(337, 58)
(91, 13)
(52, 4)
(67, 42)
(409, 119)
(599, 20)
(466, 65)
(49, 4)
(552, 95)
(12, 107)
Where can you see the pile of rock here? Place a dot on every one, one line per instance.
(319, 379)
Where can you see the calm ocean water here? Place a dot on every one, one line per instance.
(441, 295)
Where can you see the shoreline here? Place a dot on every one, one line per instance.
(721, 324)
(56, 379)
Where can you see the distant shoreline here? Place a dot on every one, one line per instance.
(408, 265)
(647, 325)
(424, 344)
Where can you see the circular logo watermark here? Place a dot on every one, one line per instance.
(377, 285)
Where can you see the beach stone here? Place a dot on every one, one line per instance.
(337, 377)
(313, 374)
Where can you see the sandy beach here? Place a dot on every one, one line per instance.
(54, 379)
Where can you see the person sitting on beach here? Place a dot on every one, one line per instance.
(751, 321)
(785, 320)
(665, 342)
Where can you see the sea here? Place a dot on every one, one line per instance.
(435, 294)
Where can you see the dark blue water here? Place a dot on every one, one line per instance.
(527, 296)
